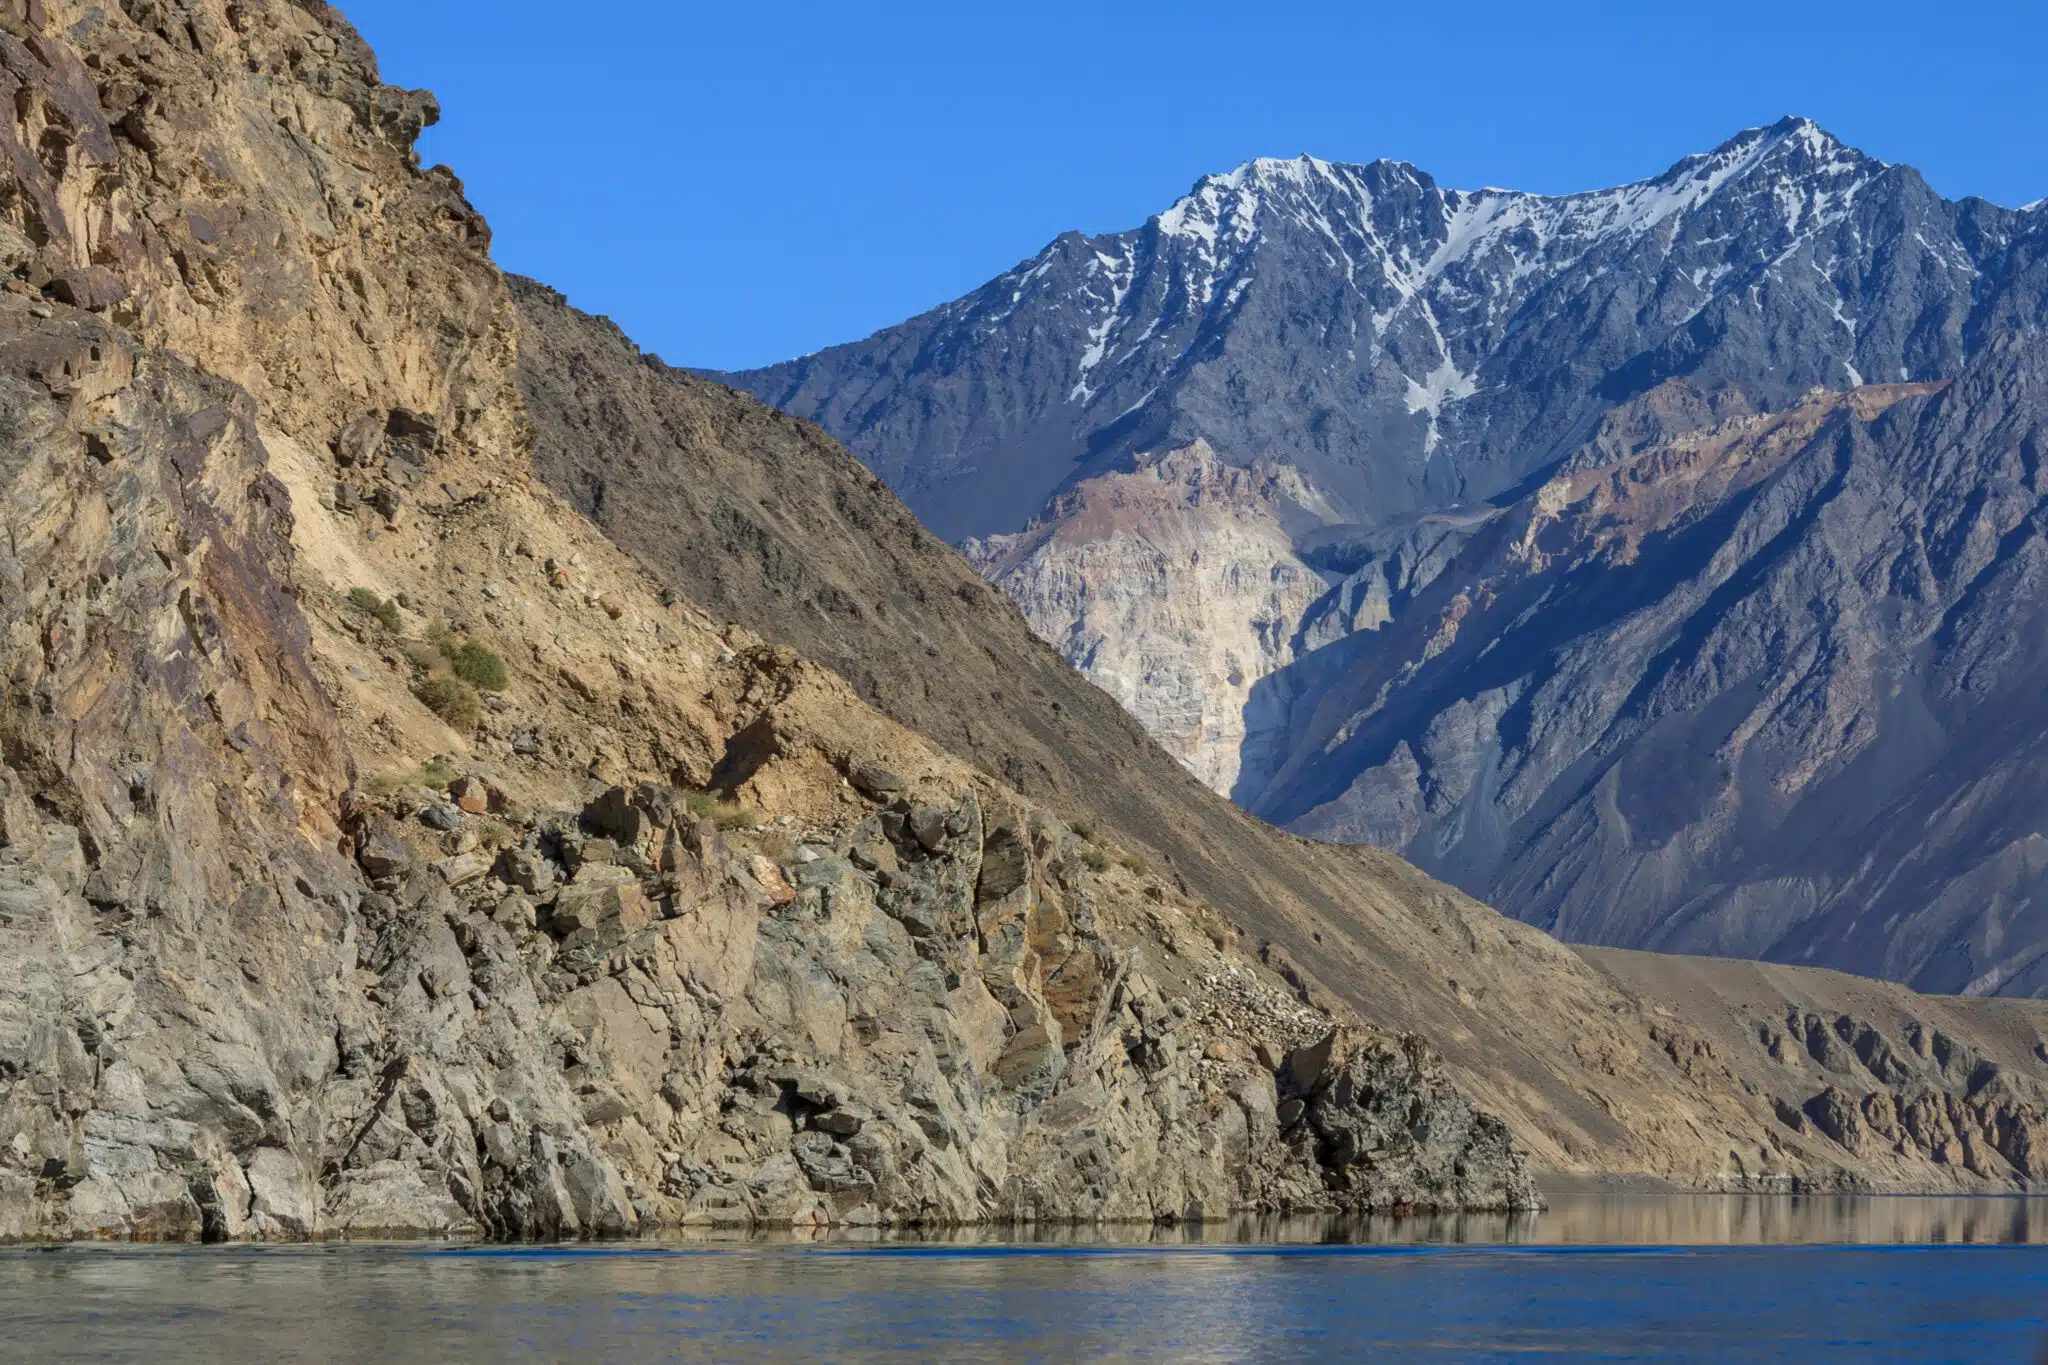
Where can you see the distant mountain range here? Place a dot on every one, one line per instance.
(1662, 564)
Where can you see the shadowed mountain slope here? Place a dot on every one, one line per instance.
(689, 475)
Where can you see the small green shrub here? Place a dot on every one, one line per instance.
(1095, 859)
(1134, 864)
(368, 603)
(475, 664)
(478, 666)
(453, 700)
(433, 773)
(1084, 829)
(724, 814)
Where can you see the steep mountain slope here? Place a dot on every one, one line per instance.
(1583, 1057)
(356, 869)
(1407, 347)
(382, 850)
(1767, 691)
(1685, 724)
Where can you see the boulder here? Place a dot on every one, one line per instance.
(527, 869)
(927, 825)
(93, 288)
(477, 796)
(381, 851)
(874, 781)
(598, 907)
(464, 868)
(442, 815)
(407, 425)
(359, 442)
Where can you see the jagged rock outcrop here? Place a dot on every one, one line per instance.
(936, 1013)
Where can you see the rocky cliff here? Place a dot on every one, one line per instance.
(359, 871)
(1694, 1072)
(385, 850)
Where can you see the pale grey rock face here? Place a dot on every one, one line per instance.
(1758, 723)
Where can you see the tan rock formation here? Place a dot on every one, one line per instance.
(1175, 588)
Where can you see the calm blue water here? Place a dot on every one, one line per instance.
(1978, 1293)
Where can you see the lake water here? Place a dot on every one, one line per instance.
(1608, 1278)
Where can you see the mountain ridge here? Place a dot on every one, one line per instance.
(1406, 312)
(1427, 361)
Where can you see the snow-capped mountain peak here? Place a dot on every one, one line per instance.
(1388, 327)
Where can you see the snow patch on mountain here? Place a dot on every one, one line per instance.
(1477, 249)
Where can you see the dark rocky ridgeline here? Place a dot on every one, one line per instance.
(1406, 346)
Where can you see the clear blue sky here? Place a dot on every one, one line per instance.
(742, 182)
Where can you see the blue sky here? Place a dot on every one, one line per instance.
(740, 183)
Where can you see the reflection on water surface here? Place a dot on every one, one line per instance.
(1685, 1278)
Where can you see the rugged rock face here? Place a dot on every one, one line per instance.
(1176, 589)
(527, 1022)
(382, 850)
(255, 992)
(1676, 700)
(1607, 1064)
